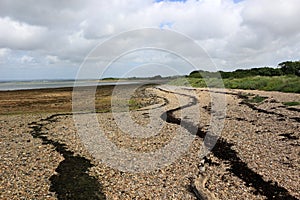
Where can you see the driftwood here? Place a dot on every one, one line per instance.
(198, 189)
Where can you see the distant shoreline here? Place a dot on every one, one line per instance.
(34, 85)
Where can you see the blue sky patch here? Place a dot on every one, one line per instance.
(171, 0)
(166, 25)
(237, 1)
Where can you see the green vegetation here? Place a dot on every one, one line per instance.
(243, 95)
(290, 67)
(277, 83)
(256, 99)
(291, 103)
(110, 79)
(284, 68)
(134, 104)
(284, 79)
(251, 98)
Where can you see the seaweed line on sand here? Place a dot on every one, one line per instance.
(223, 150)
(255, 108)
(72, 180)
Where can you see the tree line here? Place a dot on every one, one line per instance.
(284, 68)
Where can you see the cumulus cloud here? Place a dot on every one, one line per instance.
(277, 18)
(19, 35)
(235, 34)
(3, 52)
(52, 59)
(52, 14)
(27, 59)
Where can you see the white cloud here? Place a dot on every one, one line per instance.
(19, 35)
(26, 59)
(4, 52)
(55, 15)
(244, 34)
(52, 59)
(276, 17)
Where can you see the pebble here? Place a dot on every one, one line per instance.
(26, 164)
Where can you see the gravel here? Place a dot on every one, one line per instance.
(35, 150)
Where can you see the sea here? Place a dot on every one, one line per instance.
(28, 85)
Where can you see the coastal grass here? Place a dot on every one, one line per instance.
(256, 99)
(276, 83)
(291, 103)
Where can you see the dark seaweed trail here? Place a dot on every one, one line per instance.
(281, 116)
(72, 180)
(293, 109)
(223, 150)
(253, 107)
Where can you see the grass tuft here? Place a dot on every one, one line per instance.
(256, 99)
(291, 103)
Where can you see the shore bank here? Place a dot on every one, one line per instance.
(41, 151)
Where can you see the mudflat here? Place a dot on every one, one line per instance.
(257, 156)
(45, 100)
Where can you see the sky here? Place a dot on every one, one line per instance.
(51, 39)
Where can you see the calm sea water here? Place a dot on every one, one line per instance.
(26, 85)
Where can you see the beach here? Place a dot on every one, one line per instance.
(43, 156)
